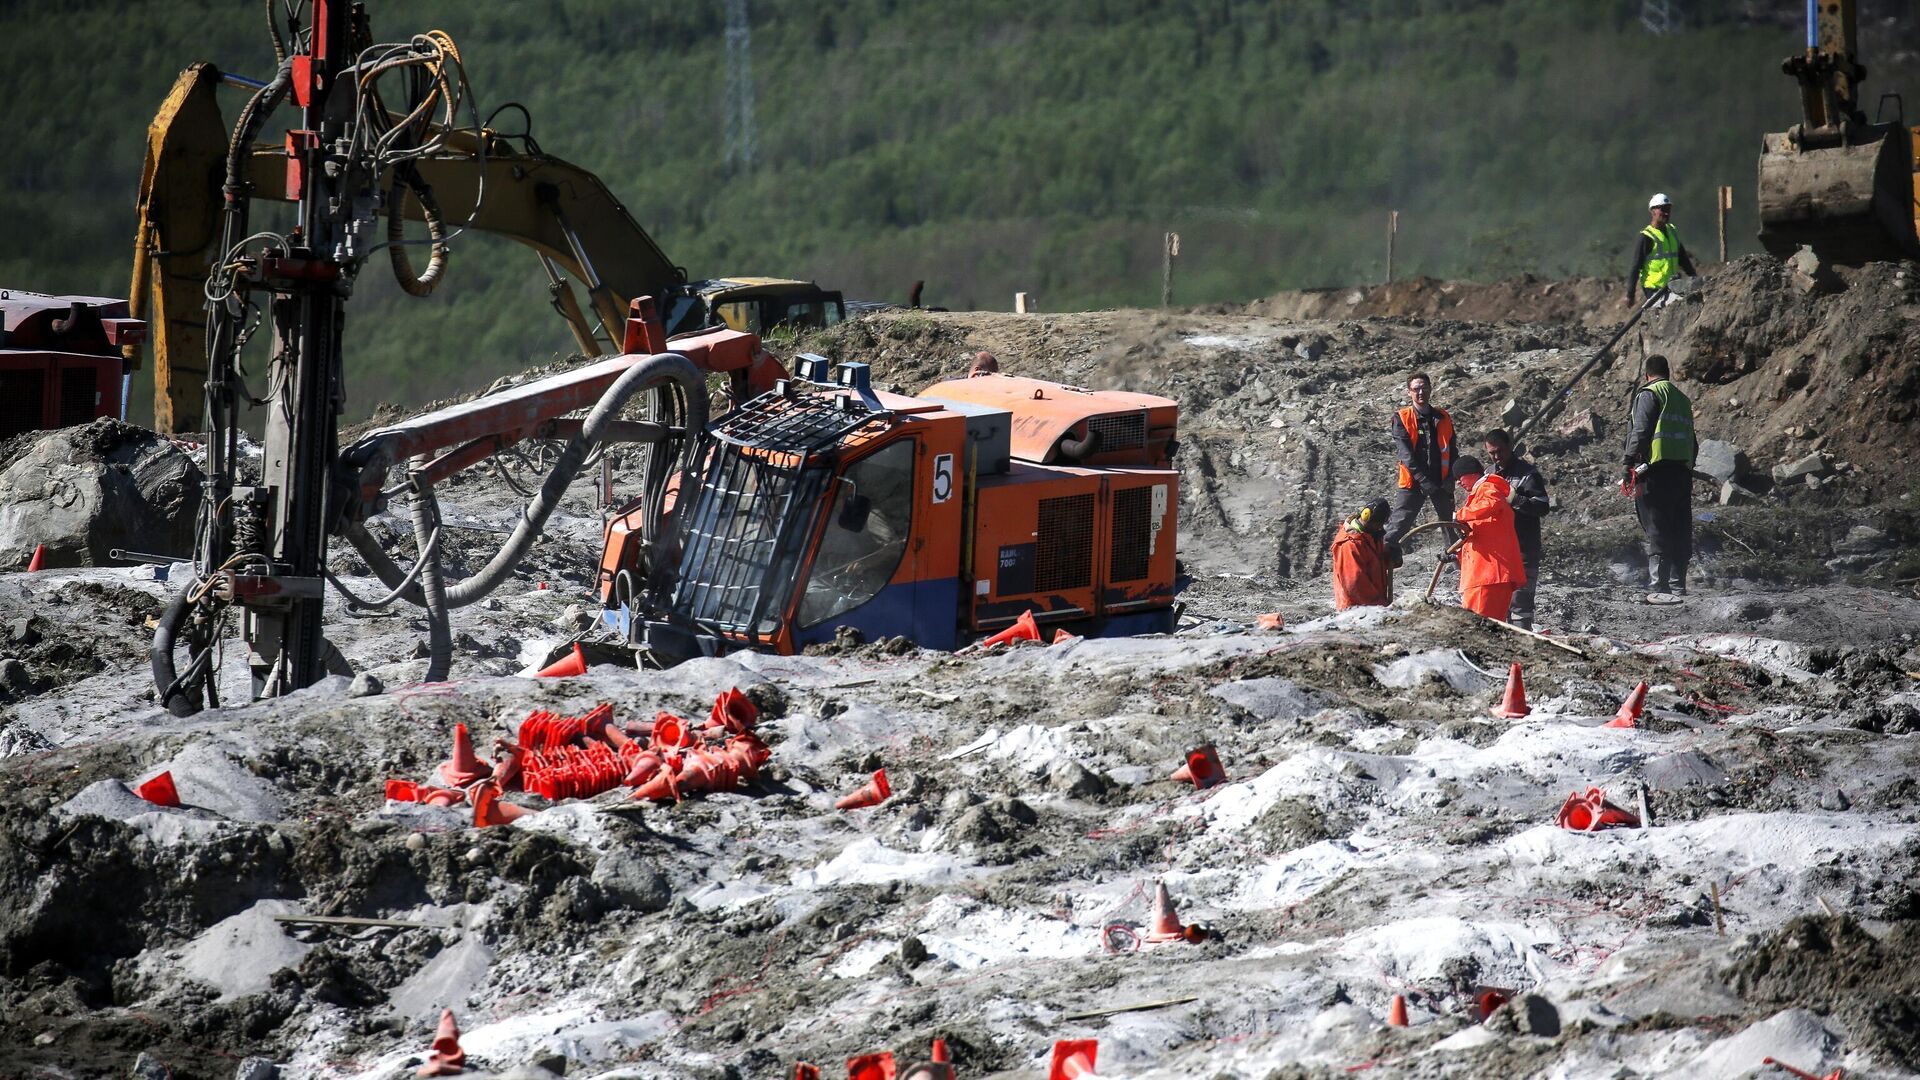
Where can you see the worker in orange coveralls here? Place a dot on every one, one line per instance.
(1490, 564)
(1361, 575)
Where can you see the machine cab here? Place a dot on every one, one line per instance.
(814, 507)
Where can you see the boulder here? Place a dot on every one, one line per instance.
(1732, 494)
(1581, 425)
(1514, 413)
(83, 491)
(1810, 275)
(1812, 465)
(1312, 348)
(1722, 461)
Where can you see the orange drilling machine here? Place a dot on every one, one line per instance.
(819, 503)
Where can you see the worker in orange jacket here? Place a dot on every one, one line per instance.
(1490, 563)
(1361, 573)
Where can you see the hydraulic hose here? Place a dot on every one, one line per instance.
(426, 528)
(174, 697)
(671, 368)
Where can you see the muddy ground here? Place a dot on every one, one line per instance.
(1380, 833)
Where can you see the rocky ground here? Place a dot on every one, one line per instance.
(1379, 834)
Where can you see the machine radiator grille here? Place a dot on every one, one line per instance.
(1132, 530)
(21, 393)
(1121, 431)
(77, 390)
(1065, 556)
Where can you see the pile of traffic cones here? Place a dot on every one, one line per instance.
(577, 757)
(881, 1066)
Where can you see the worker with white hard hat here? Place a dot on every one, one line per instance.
(1659, 254)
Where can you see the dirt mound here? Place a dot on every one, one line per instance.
(1784, 371)
(1526, 299)
(1833, 964)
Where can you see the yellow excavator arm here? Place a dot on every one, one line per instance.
(560, 210)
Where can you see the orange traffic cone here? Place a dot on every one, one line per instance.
(1202, 768)
(1061, 637)
(1591, 811)
(1166, 921)
(1073, 1057)
(1271, 620)
(871, 1066)
(1023, 629)
(875, 792)
(447, 1058)
(733, 711)
(574, 663)
(39, 558)
(804, 1071)
(489, 810)
(645, 765)
(1486, 1001)
(670, 732)
(940, 1055)
(1397, 1011)
(159, 790)
(464, 768)
(1630, 709)
(1514, 706)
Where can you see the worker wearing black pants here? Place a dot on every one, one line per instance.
(1659, 461)
(1663, 500)
(1423, 446)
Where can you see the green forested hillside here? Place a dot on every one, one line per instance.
(987, 147)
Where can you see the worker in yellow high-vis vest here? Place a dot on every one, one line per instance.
(1659, 469)
(1659, 255)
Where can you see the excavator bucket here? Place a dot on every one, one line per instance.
(1850, 197)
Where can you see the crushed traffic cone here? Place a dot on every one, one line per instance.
(488, 810)
(875, 792)
(1801, 1073)
(464, 768)
(1591, 811)
(1023, 629)
(447, 1058)
(1269, 620)
(1630, 709)
(871, 1066)
(574, 663)
(1487, 1001)
(804, 1071)
(1166, 921)
(1072, 1058)
(1397, 1011)
(1202, 768)
(1514, 705)
(159, 790)
(39, 558)
(734, 711)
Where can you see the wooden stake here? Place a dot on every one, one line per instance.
(1725, 201)
(1719, 923)
(1169, 252)
(1393, 228)
(1646, 819)
(1141, 1007)
(1561, 645)
(1824, 906)
(1019, 303)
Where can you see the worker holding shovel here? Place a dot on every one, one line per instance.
(1490, 563)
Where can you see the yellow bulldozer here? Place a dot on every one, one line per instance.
(1837, 182)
